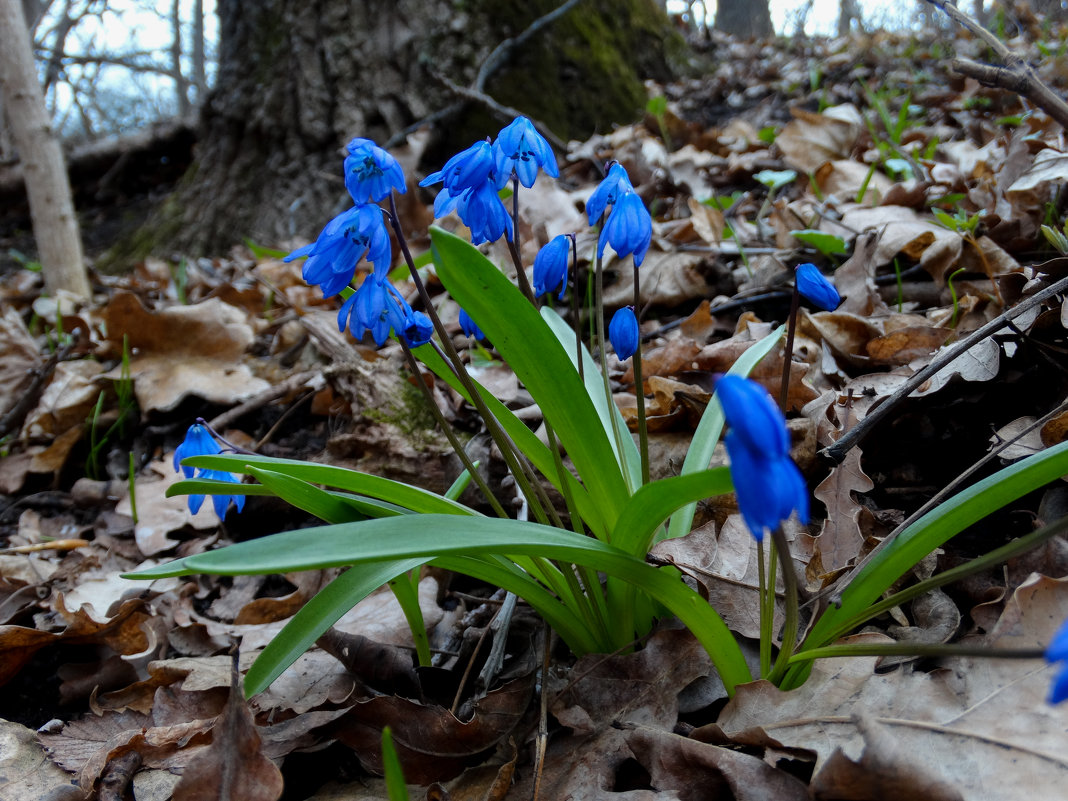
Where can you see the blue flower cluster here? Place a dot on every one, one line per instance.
(472, 178)
(358, 233)
(1058, 652)
(199, 442)
(767, 482)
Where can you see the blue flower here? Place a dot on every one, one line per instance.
(371, 173)
(1058, 652)
(376, 307)
(419, 329)
(469, 326)
(629, 228)
(465, 170)
(354, 234)
(767, 483)
(615, 183)
(550, 266)
(199, 442)
(521, 149)
(813, 285)
(623, 332)
(481, 210)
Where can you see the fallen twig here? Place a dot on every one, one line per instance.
(836, 452)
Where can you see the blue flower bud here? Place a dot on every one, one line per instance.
(623, 333)
(519, 148)
(199, 442)
(814, 285)
(353, 235)
(371, 173)
(766, 481)
(469, 326)
(629, 228)
(550, 266)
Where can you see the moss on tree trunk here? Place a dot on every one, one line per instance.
(296, 80)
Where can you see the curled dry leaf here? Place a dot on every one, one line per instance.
(840, 540)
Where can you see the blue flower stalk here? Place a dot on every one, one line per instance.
(629, 230)
(770, 489)
(814, 286)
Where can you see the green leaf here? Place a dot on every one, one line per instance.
(827, 244)
(652, 503)
(535, 450)
(776, 179)
(932, 531)
(434, 536)
(630, 460)
(308, 497)
(396, 789)
(708, 430)
(526, 343)
(319, 614)
(405, 495)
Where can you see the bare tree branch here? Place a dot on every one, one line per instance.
(1015, 76)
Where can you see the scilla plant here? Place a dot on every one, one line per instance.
(584, 571)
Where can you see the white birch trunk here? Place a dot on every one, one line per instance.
(47, 187)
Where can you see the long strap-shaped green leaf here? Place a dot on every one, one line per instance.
(414, 498)
(319, 614)
(440, 536)
(708, 430)
(651, 505)
(930, 532)
(533, 448)
(630, 460)
(526, 343)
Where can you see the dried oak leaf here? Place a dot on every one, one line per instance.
(840, 539)
(432, 743)
(122, 633)
(232, 768)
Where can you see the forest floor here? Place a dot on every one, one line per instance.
(928, 193)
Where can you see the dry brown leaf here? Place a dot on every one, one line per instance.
(67, 400)
(232, 768)
(640, 688)
(981, 725)
(26, 771)
(19, 355)
(840, 540)
(810, 139)
(432, 743)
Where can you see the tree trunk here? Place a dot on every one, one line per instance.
(297, 79)
(746, 19)
(47, 188)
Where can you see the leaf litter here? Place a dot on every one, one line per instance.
(143, 672)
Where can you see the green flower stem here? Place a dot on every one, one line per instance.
(790, 628)
(639, 387)
(446, 429)
(916, 649)
(508, 449)
(513, 247)
(788, 351)
(602, 346)
(406, 590)
(575, 321)
(767, 610)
